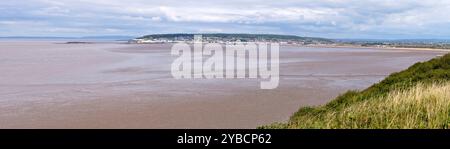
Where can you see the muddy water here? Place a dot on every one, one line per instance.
(111, 85)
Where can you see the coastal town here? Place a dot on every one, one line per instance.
(229, 38)
(223, 38)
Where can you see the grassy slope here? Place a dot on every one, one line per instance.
(374, 106)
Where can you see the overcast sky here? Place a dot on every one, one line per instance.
(373, 19)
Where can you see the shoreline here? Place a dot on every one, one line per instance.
(380, 48)
(332, 46)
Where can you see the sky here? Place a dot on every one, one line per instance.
(339, 19)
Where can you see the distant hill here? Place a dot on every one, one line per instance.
(242, 37)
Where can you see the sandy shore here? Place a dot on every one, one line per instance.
(111, 85)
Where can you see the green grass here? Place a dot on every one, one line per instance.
(374, 107)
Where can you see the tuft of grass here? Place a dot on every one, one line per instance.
(423, 106)
(419, 89)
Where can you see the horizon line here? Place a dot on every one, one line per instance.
(132, 36)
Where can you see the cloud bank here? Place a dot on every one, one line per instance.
(323, 18)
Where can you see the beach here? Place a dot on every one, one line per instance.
(51, 84)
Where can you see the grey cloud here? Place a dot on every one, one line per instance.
(327, 18)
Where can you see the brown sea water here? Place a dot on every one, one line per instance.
(46, 84)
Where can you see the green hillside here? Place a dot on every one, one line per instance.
(418, 97)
